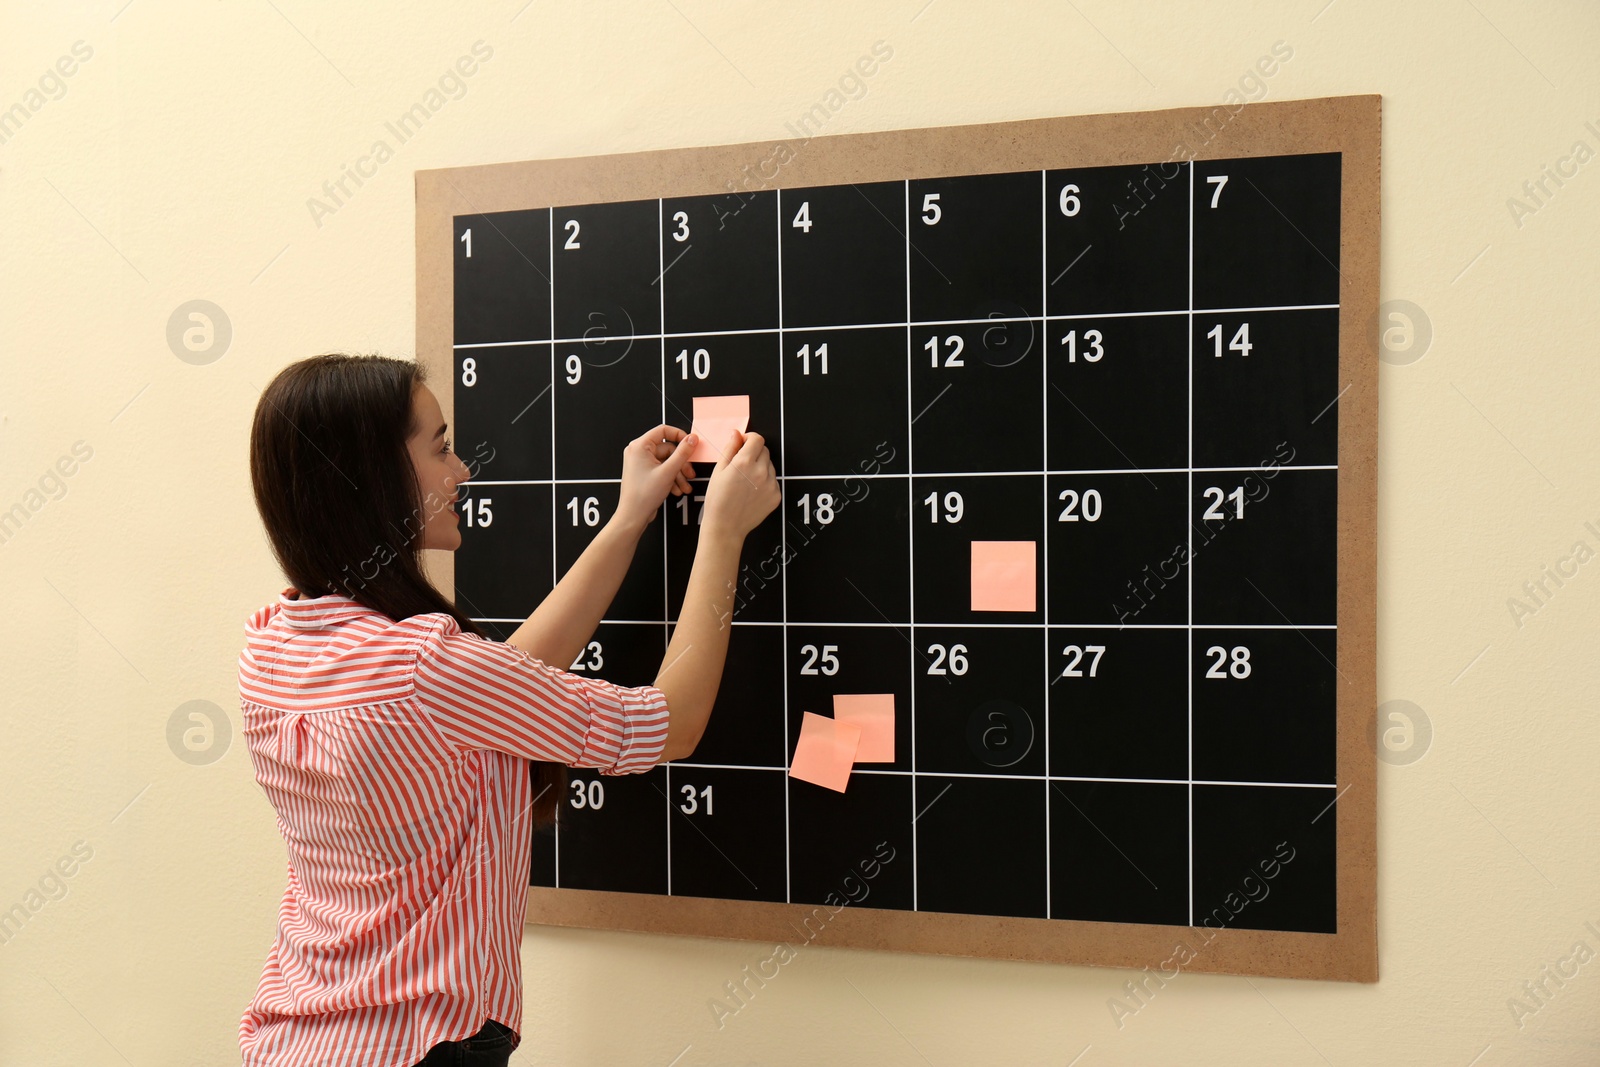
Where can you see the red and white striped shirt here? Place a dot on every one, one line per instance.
(396, 755)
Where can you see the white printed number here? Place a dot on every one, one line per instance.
(681, 234)
(1070, 498)
(692, 801)
(828, 656)
(700, 364)
(591, 658)
(1236, 663)
(802, 218)
(954, 507)
(1219, 180)
(930, 210)
(591, 510)
(469, 372)
(953, 346)
(824, 509)
(588, 794)
(1216, 496)
(483, 516)
(683, 509)
(1240, 343)
(956, 658)
(804, 355)
(574, 369)
(572, 234)
(1075, 653)
(466, 239)
(1091, 338)
(1069, 200)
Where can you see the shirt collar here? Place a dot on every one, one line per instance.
(320, 612)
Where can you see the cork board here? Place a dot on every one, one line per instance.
(1145, 808)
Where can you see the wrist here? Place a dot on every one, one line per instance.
(622, 524)
(714, 535)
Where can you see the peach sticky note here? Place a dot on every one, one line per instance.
(825, 752)
(715, 420)
(1003, 575)
(874, 714)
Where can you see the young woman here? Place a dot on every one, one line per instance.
(396, 742)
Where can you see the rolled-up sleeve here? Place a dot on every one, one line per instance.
(490, 695)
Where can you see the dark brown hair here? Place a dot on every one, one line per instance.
(339, 496)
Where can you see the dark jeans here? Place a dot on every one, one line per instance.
(489, 1047)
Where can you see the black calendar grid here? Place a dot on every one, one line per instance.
(1113, 416)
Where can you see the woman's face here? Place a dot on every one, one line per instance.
(439, 472)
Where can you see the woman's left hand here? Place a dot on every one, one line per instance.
(653, 465)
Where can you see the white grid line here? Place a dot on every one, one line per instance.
(912, 322)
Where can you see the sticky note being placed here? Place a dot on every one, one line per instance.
(825, 752)
(715, 420)
(1003, 575)
(874, 714)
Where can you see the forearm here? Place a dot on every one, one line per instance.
(559, 627)
(692, 670)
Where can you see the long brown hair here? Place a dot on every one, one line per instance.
(338, 494)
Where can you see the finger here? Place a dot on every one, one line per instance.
(732, 448)
(664, 432)
(681, 485)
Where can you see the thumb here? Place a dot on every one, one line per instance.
(729, 450)
(680, 455)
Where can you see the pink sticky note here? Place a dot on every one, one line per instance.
(826, 750)
(874, 714)
(715, 420)
(1003, 575)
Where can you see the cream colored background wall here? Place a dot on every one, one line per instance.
(176, 163)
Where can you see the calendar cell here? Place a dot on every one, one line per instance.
(846, 548)
(1264, 549)
(1118, 548)
(602, 817)
(582, 511)
(980, 700)
(720, 262)
(1264, 704)
(1264, 858)
(1265, 387)
(1119, 702)
(504, 567)
(1117, 396)
(503, 398)
(746, 728)
(981, 845)
(621, 653)
(949, 514)
(866, 857)
(605, 394)
(827, 660)
(758, 592)
(1118, 239)
(741, 364)
(844, 401)
(722, 844)
(975, 246)
(844, 251)
(975, 397)
(1266, 231)
(606, 267)
(1119, 852)
(502, 277)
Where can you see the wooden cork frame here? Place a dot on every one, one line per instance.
(1348, 125)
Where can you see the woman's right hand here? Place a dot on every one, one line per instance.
(743, 489)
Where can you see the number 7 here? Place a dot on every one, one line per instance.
(1219, 180)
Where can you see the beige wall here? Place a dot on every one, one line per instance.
(177, 165)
